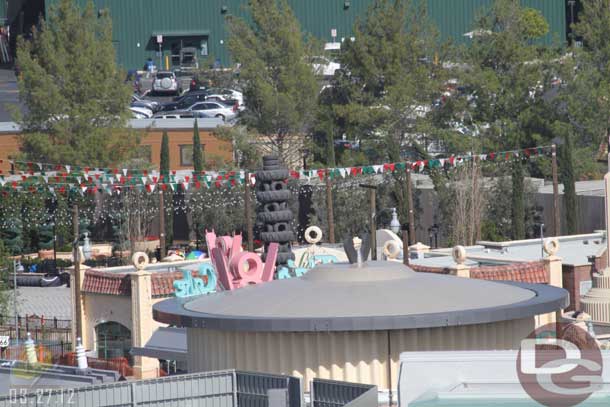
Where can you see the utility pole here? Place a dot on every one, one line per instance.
(249, 227)
(77, 278)
(405, 246)
(161, 225)
(373, 227)
(15, 303)
(329, 209)
(411, 220)
(556, 218)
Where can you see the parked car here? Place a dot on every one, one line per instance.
(184, 101)
(323, 66)
(215, 109)
(137, 101)
(166, 82)
(228, 96)
(178, 114)
(141, 112)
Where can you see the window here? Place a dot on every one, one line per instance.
(113, 340)
(186, 155)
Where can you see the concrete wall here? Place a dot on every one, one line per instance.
(359, 357)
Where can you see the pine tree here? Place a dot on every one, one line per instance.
(279, 84)
(197, 154)
(566, 165)
(75, 97)
(167, 195)
(164, 165)
(518, 201)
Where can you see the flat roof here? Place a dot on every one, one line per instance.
(166, 124)
(341, 297)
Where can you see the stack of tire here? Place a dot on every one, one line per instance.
(274, 218)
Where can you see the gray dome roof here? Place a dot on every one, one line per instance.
(380, 295)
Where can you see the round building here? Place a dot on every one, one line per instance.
(347, 323)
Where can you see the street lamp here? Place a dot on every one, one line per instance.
(17, 268)
(394, 223)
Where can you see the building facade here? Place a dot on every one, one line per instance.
(159, 29)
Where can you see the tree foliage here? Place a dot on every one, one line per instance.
(76, 102)
(197, 154)
(279, 85)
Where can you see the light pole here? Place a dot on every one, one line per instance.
(572, 3)
(17, 267)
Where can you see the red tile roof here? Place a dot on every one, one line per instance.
(104, 282)
(532, 272)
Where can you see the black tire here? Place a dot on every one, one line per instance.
(277, 216)
(50, 281)
(282, 258)
(273, 196)
(279, 237)
(275, 206)
(220, 116)
(279, 185)
(270, 159)
(281, 227)
(274, 175)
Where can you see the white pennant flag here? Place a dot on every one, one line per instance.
(253, 179)
(378, 168)
(442, 161)
(342, 171)
(2, 181)
(185, 185)
(152, 187)
(125, 171)
(78, 179)
(144, 179)
(68, 168)
(483, 157)
(118, 177)
(46, 179)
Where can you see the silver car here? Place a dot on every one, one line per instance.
(215, 109)
(166, 82)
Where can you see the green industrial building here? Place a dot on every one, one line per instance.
(159, 29)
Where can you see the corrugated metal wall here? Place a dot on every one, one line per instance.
(359, 356)
(135, 20)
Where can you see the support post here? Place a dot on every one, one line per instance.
(373, 226)
(329, 209)
(16, 311)
(247, 204)
(556, 218)
(161, 225)
(411, 220)
(77, 275)
(405, 247)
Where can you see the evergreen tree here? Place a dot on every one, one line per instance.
(197, 154)
(566, 165)
(74, 94)
(164, 160)
(279, 83)
(167, 195)
(518, 201)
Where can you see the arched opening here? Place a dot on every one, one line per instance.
(113, 340)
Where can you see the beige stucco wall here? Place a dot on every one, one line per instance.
(100, 308)
(359, 356)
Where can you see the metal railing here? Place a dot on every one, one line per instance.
(330, 393)
(228, 388)
(35, 322)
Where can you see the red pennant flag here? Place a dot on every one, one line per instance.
(164, 187)
(294, 174)
(97, 176)
(86, 170)
(155, 179)
(23, 177)
(232, 182)
(187, 178)
(217, 183)
(492, 156)
(197, 184)
(145, 172)
(173, 172)
(148, 188)
(14, 184)
(321, 174)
